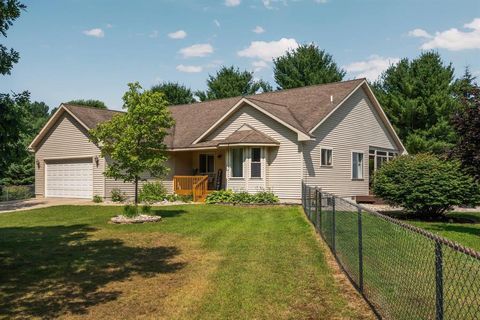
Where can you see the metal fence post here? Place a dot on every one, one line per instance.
(360, 250)
(320, 211)
(317, 209)
(303, 195)
(309, 199)
(333, 225)
(438, 281)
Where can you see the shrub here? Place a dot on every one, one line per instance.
(117, 195)
(16, 193)
(265, 197)
(243, 197)
(152, 192)
(146, 209)
(172, 197)
(220, 196)
(228, 196)
(185, 198)
(130, 210)
(425, 185)
(97, 199)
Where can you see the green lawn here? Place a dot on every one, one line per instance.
(200, 262)
(467, 234)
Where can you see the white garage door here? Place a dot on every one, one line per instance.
(69, 178)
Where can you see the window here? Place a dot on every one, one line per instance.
(326, 157)
(357, 165)
(237, 163)
(206, 163)
(256, 164)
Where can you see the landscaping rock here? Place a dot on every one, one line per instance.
(143, 218)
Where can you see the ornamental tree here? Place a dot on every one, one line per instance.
(134, 139)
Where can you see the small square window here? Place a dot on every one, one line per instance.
(326, 157)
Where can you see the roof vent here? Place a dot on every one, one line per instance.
(331, 98)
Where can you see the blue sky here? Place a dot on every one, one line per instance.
(91, 49)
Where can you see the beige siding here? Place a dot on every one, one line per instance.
(67, 139)
(129, 187)
(355, 126)
(283, 163)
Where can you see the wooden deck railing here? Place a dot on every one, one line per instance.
(197, 186)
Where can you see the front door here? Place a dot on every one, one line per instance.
(206, 166)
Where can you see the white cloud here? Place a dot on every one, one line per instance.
(371, 68)
(232, 3)
(268, 50)
(452, 39)
(153, 34)
(258, 30)
(419, 33)
(217, 23)
(321, 1)
(109, 25)
(197, 50)
(189, 69)
(259, 65)
(95, 32)
(179, 34)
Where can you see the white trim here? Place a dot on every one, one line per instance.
(351, 165)
(53, 119)
(254, 145)
(325, 165)
(385, 119)
(301, 135)
(251, 161)
(70, 158)
(192, 149)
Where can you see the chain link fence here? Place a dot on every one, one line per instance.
(402, 271)
(8, 193)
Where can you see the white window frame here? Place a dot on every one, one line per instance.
(260, 162)
(326, 165)
(363, 165)
(243, 164)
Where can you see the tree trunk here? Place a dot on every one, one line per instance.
(136, 191)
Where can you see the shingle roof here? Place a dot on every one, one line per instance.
(301, 108)
(244, 137)
(89, 116)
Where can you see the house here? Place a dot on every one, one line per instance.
(332, 135)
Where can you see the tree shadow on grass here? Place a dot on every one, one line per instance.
(459, 228)
(50, 271)
(167, 213)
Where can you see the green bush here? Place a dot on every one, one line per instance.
(220, 196)
(185, 198)
(97, 199)
(152, 192)
(266, 197)
(228, 196)
(425, 185)
(242, 197)
(16, 193)
(117, 195)
(130, 210)
(146, 209)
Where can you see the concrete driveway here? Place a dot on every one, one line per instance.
(35, 203)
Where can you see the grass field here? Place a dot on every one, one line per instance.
(200, 262)
(399, 273)
(467, 234)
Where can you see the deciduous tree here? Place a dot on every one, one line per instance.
(9, 11)
(175, 93)
(134, 139)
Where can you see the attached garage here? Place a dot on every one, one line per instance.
(69, 178)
